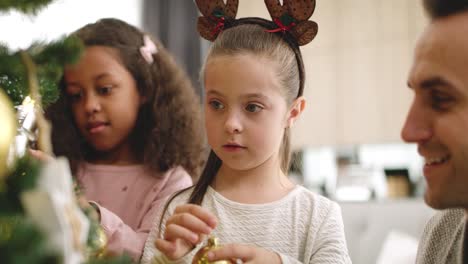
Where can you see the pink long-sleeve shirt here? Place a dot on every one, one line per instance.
(129, 199)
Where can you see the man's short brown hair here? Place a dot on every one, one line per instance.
(443, 8)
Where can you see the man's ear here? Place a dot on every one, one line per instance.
(296, 110)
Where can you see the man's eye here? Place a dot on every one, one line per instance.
(216, 105)
(253, 108)
(440, 101)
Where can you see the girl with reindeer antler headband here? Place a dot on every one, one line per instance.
(254, 80)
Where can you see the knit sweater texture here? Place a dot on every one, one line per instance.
(301, 227)
(443, 239)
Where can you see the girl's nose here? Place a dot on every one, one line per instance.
(92, 104)
(417, 127)
(233, 123)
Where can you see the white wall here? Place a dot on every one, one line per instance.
(61, 17)
(356, 70)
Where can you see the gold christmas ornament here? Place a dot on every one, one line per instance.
(98, 244)
(200, 257)
(8, 130)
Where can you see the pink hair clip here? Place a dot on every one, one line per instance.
(148, 49)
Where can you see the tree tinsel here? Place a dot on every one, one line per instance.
(25, 6)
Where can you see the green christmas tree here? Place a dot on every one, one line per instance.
(32, 76)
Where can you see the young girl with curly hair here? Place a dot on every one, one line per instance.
(129, 122)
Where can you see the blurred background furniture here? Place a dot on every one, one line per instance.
(368, 224)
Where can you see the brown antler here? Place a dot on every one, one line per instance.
(214, 14)
(298, 12)
(275, 8)
(297, 9)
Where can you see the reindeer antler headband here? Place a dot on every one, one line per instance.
(293, 16)
(290, 16)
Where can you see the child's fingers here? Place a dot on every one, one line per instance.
(232, 251)
(189, 222)
(166, 247)
(173, 249)
(198, 211)
(174, 232)
(39, 155)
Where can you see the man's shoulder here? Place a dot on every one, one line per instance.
(442, 238)
(446, 221)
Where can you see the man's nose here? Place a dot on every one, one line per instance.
(417, 127)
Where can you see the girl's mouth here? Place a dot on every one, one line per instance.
(96, 127)
(233, 147)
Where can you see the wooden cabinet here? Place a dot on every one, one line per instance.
(356, 70)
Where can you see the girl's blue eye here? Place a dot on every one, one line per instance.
(216, 105)
(253, 108)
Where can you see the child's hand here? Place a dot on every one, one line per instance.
(39, 155)
(247, 253)
(185, 229)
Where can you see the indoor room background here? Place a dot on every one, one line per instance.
(347, 145)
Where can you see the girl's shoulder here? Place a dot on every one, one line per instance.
(316, 204)
(178, 175)
(314, 199)
(178, 198)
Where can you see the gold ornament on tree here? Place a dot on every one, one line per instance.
(200, 257)
(98, 247)
(97, 242)
(7, 132)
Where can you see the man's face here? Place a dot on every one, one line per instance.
(438, 118)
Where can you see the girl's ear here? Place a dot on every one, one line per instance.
(296, 110)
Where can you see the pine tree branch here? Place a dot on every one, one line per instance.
(25, 6)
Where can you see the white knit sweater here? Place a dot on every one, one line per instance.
(302, 227)
(443, 239)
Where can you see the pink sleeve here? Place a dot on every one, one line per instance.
(121, 237)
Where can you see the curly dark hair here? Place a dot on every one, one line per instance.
(443, 8)
(169, 129)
